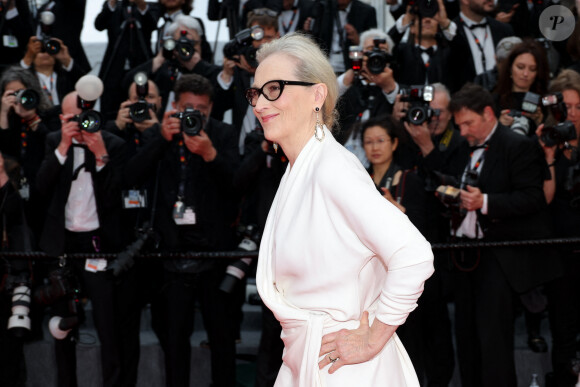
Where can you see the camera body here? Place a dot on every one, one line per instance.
(240, 268)
(192, 121)
(50, 46)
(424, 8)
(139, 111)
(19, 287)
(562, 131)
(89, 120)
(183, 47)
(419, 98)
(242, 45)
(377, 59)
(28, 98)
(61, 282)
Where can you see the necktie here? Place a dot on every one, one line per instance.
(480, 146)
(476, 26)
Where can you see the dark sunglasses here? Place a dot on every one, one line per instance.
(272, 90)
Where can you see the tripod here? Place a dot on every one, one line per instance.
(134, 28)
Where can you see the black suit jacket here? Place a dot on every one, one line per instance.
(461, 63)
(217, 10)
(411, 70)
(512, 178)
(361, 16)
(21, 27)
(54, 180)
(234, 98)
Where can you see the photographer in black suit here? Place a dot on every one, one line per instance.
(80, 176)
(340, 26)
(501, 192)
(129, 25)
(15, 30)
(168, 66)
(195, 209)
(366, 92)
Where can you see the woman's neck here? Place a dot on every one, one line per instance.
(379, 171)
(516, 89)
(294, 144)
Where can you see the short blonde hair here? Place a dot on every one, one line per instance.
(312, 66)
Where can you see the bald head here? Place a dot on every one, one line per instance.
(70, 104)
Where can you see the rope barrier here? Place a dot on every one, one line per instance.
(254, 254)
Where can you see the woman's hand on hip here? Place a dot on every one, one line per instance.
(354, 346)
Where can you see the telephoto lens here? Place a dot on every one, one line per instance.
(28, 98)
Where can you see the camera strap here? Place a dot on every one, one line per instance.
(478, 43)
(474, 170)
(288, 27)
(339, 28)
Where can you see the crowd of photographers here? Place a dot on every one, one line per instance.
(465, 116)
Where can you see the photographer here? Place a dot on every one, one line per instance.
(423, 58)
(129, 25)
(80, 175)
(436, 147)
(525, 71)
(501, 192)
(238, 74)
(366, 92)
(561, 191)
(138, 280)
(57, 73)
(26, 118)
(196, 206)
(182, 57)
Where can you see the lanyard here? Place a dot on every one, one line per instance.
(478, 44)
(183, 170)
(339, 29)
(287, 28)
(48, 89)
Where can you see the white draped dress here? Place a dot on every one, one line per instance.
(333, 248)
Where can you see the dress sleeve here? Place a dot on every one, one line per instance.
(383, 229)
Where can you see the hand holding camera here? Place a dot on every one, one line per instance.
(69, 129)
(201, 145)
(471, 199)
(33, 48)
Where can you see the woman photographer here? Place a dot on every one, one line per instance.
(525, 70)
(25, 120)
(562, 192)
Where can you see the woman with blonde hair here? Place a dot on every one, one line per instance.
(340, 267)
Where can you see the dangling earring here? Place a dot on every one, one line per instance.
(275, 146)
(318, 126)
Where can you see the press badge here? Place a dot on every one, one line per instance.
(183, 215)
(24, 190)
(95, 264)
(134, 198)
(10, 41)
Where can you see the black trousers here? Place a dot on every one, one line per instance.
(484, 321)
(99, 288)
(564, 314)
(269, 358)
(178, 295)
(135, 289)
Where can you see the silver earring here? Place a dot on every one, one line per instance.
(275, 146)
(318, 126)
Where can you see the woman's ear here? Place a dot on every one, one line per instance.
(320, 92)
(395, 142)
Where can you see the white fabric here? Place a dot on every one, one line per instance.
(486, 39)
(333, 248)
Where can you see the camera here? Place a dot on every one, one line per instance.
(419, 110)
(139, 111)
(192, 121)
(89, 89)
(238, 270)
(28, 98)
(61, 282)
(19, 321)
(241, 44)
(356, 58)
(183, 47)
(562, 131)
(377, 59)
(424, 8)
(49, 45)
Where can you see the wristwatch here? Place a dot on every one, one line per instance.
(103, 159)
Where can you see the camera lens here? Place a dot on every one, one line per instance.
(139, 111)
(376, 62)
(52, 47)
(417, 115)
(185, 49)
(29, 99)
(90, 121)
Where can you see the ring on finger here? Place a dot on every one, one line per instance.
(331, 359)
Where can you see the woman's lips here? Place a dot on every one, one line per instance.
(267, 118)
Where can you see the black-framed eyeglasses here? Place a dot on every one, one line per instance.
(272, 90)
